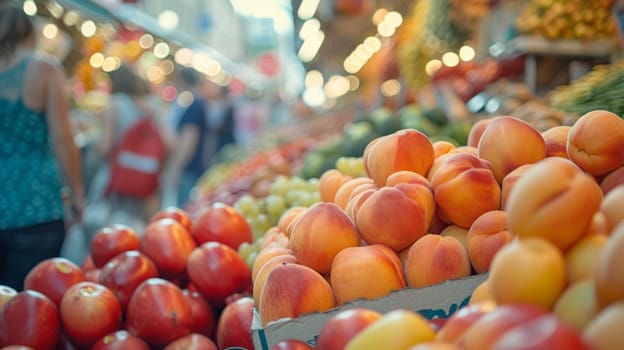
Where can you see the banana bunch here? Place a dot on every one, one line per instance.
(601, 88)
(567, 19)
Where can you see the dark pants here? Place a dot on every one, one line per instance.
(22, 248)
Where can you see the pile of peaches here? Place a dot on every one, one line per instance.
(538, 211)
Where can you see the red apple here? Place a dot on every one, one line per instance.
(176, 214)
(203, 316)
(222, 223)
(544, 332)
(6, 293)
(461, 320)
(291, 344)
(30, 318)
(53, 277)
(192, 341)
(123, 274)
(120, 340)
(112, 240)
(488, 328)
(217, 271)
(234, 324)
(343, 326)
(168, 244)
(89, 311)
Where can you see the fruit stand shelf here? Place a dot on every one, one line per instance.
(534, 47)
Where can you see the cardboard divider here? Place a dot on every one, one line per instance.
(439, 301)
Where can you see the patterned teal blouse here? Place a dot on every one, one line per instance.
(30, 183)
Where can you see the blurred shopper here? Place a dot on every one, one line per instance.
(191, 152)
(38, 156)
(130, 101)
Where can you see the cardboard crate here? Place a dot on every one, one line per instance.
(440, 300)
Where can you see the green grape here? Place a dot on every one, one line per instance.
(251, 258)
(247, 205)
(297, 183)
(342, 164)
(274, 205)
(244, 249)
(280, 185)
(313, 185)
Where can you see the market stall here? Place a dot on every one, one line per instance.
(455, 181)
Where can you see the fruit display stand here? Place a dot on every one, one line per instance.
(439, 301)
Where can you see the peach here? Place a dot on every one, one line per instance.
(433, 259)
(556, 139)
(345, 190)
(608, 269)
(457, 323)
(376, 214)
(458, 232)
(510, 180)
(320, 233)
(369, 272)
(343, 326)
(288, 217)
(465, 149)
(442, 147)
(612, 207)
(464, 188)
(265, 255)
(509, 142)
(582, 256)
(612, 180)
(529, 270)
(477, 129)
(329, 182)
(604, 331)
(486, 236)
(274, 237)
(263, 272)
(596, 142)
(482, 293)
(291, 290)
(555, 200)
(396, 329)
(577, 304)
(437, 224)
(406, 149)
(436, 165)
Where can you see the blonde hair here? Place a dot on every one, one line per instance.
(15, 27)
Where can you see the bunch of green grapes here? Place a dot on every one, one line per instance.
(263, 213)
(352, 166)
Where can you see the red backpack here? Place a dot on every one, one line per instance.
(137, 161)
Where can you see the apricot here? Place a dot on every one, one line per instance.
(464, 188)
(555, 200)
(612, 207)
(509, 142)
(329, 182)
(263, 272)
(406, 149)
(477, 129)
(288, 217)
(596, 142)
(395, 216)
(482, 293)
(369, 272)
(458, 232)
(556, 139)
(612, 180)
(577, 304)
(321, 232)
(582, 256)
(604, 331)
(265, 255)
(291, 290)
(486, 236)
(344, 192)
(528, 270)
(510, 180)
(608, 269)
(433, 259)
(442, 147)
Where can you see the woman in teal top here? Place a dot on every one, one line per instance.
(38, 156)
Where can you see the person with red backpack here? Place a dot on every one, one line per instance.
(133, 148)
